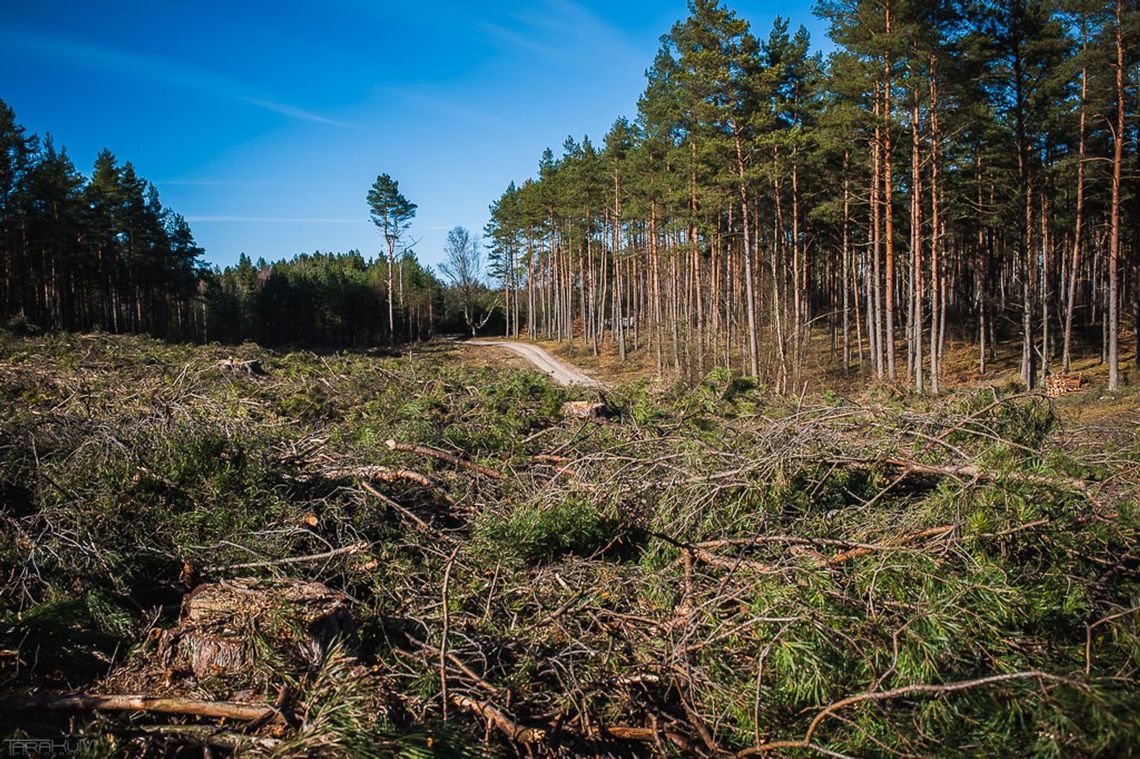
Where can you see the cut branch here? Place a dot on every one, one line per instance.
(435, 453)
(962, 471)
(908, 690)
(385, 474)
(500, 720)
(343, 551)
(137, 703)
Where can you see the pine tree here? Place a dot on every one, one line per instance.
(392, 214)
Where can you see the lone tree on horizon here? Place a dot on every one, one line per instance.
(392, 214)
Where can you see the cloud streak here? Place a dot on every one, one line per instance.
(444, 107)
(221, 183)
(522, 41)
(559, 30)
(271, 220)
(157, 69)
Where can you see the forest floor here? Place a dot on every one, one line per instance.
(238, 550)
(1113, 412)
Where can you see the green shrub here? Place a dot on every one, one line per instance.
(542, 532)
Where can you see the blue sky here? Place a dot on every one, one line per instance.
(264, 124)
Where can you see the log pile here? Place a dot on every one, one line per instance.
(1057, 385)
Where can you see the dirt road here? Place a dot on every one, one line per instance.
(559, 371)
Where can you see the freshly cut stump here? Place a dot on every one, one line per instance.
(583, 409)
(242, 367)
(246, 624)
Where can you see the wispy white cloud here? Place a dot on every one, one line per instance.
(515, 39)
(221, 183)
(158, 69)
(272, 220)
(561, 30)
(444, 107)
(292, 112)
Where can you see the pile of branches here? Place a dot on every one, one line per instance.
(841, 578)
(707, 572)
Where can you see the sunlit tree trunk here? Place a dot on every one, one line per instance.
(1113, 324)
(749, 297)
(888, 223)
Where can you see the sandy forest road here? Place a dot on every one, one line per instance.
(559, 371)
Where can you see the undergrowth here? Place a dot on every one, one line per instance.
(713, 565)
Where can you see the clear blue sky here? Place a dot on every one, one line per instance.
(264, 124)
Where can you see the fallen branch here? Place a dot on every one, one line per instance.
(855, 553)
(204, 735)
(435, 453)
(343, 551)
(962, 471)
(714, 560)
(443, 634)
(137, 703)
(922, 688)
(385, 474)
(460, 665)
(643, 735)
(501, 721)
(1089, 633)
(724, 562)
(419, 523)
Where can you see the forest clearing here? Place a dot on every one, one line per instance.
(703, 570)
(796, 414)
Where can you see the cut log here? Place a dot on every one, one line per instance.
(137, 703)
(1057, 385)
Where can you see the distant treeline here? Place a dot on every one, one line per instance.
(330, 299)
(82, 254)
(103, 253)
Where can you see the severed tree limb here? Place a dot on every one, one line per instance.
(386, 474)
(342, 551)
(907, 690)
(419, 523)
(695, 551)
(525, 734)
(137, 703)
(443, 634)
(380, 473)
(550, 458)
(460, 665)
(855, 553)
(435, 453)
(911, 468)
(500, 720)
(644, 735)
(788, 540)
(213, 737)
(856, 550)
(1089, 633)
(724, 562)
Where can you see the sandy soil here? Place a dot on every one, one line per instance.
(560, 371)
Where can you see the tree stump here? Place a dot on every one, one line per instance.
(583, 409)
(242, 367)
(247, 624)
